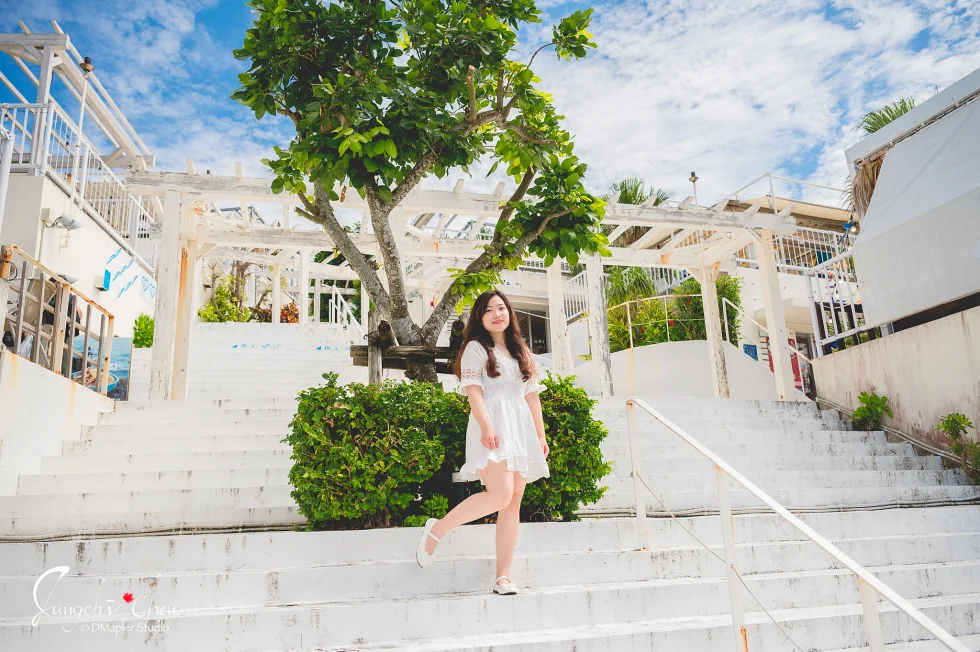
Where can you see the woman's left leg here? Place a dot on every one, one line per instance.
(508, 527)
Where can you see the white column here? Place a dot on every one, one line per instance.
(6, 155)
(712, 325)
(47, 73)
(599, 326)
(557, 322)
(276, 293)
(365, 308)
(185, 320)
(165, 313)
(775, 319)
(304, 286)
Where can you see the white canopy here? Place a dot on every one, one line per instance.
(920, 240)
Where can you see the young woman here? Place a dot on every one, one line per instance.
(505, 442)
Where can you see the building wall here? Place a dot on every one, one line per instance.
(927, 372)
(84, 254)
(40, 410)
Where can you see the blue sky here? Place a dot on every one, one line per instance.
(729, 89)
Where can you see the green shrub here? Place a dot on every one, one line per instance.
(224, 306)
(871, 413)
(575, 462)
(362, 453)
(955, 426)
(143, 332)
(383, 455)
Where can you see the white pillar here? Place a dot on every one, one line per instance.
(6, 155)
(775, 319)
(276, 293)
(185, 320)
(47, 73)
(561, 359)
(712, 325)
(599, 326)
(165, 313)
(304, 286)
(365, 308)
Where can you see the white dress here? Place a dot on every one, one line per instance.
(509, 414)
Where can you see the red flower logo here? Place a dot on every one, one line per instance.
(128, 597)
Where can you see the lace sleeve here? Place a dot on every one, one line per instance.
(534, 383)
(472, 366)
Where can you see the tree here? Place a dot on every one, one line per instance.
(633, 191)
(875, 120)
(382, 94)
(628, 283)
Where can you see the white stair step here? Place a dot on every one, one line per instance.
(767, 480)
(620, 459)
(201, 460)
(170, 443)
(67, 483)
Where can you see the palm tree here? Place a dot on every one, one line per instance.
(628, 283)
(633, 191)
(875, 120)
(858, 191)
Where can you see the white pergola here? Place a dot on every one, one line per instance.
(700, 240)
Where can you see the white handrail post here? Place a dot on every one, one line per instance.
(728, 538)
(872, 623)
(724, 310)
(642, 535)
(44, 133)
(83, 163)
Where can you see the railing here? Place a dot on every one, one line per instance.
(642, 321)
(869, 586)
(835, 301)
(576, 294)
(49, 142)
(804, 365)
(336, 307)
(801, 251)
(48, 316)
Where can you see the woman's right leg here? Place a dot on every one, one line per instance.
(500, 491)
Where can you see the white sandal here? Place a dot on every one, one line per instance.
(507, 588)
(421, 556)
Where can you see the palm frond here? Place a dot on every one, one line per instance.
(875, 120)
(631, 191)
(628, 283)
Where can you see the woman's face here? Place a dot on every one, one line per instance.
(496, 318)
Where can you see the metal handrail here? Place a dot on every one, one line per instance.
(868, 584)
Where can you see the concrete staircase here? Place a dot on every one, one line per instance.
(216, 462)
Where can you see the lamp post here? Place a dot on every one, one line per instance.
(87, 67)
(694, 182)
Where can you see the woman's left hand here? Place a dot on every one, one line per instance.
(544, 446)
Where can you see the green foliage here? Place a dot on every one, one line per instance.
(627, 284)
(143, 332)
(473, 284)
(875, 120)
(363, 452)
(379, 94)
(223, 307)
(575, 462)
(675, 319)
(870, 415)
(955, 426)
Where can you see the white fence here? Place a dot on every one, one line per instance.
(46, 141)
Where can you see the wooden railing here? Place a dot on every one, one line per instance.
(41, 315)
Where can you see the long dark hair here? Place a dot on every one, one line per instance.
(512, 336)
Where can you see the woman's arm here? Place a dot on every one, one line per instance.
(534, 402)
(488, 437)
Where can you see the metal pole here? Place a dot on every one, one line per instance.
(666, 319)
(728, 537)
(872, 623)
(813, 315)
(639, 498)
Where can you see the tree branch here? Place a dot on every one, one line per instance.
(470, 72)
(324, 215)
(518, 194)
(500, 89)
(388, 246)
(412, 178)
(524, 134)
